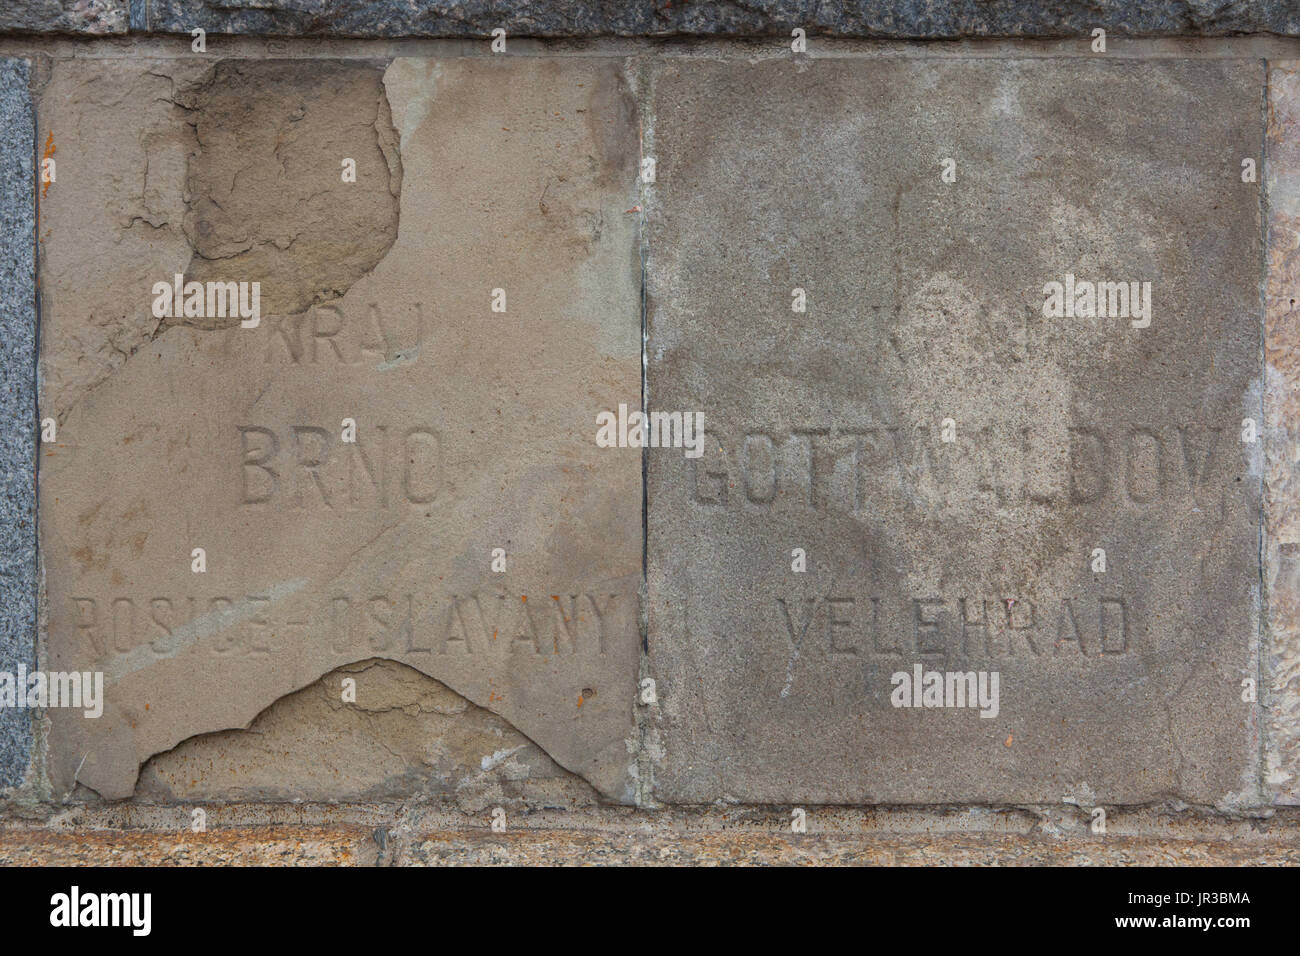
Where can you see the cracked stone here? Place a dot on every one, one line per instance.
(406, 735)
(225, 172)
(266, 198)
(474, 431)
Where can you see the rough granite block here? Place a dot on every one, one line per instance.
(930, 316)
(17, 405)
(897, 19)
(474, 428)
(66, 16)
(1282, 403)
(901, 19)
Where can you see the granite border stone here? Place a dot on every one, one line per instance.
(17, 405)
(885, 19)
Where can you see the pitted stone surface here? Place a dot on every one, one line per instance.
(474, 431)
(902, 19)
(113, 216)
(66, 16)
(925, 309)
(17, 405)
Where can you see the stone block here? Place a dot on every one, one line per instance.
(947, 445)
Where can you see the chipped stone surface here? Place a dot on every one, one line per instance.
(302, 231)
(849, 18)
(475, 430)
(17, 404)
(405, 735)
(231, 168)
(925, 302)
(1282, 410)
(112, 222)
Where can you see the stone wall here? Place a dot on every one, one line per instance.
(711, 418)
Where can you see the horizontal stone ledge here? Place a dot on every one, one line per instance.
(641, 839)
(892, 19)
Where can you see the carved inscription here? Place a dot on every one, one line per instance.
(311, 467)
(326, 335)
(853, 627)
(485, 625)
(847, 469)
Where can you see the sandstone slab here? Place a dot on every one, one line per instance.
(473, 428)
(950, 459)
(17, 404)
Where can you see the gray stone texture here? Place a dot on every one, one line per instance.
(925, 302)
(900, 19)
(65, 16)
(17, 404)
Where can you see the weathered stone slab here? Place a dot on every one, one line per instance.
(846, 18)
(925, 302)
(1282, 409)
(17, 405)
(474, 428)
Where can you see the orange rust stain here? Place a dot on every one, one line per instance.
(49, 151)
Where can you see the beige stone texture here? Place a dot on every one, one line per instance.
(266, 197)
(406, 736)
(474, 428)
(111, 223)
